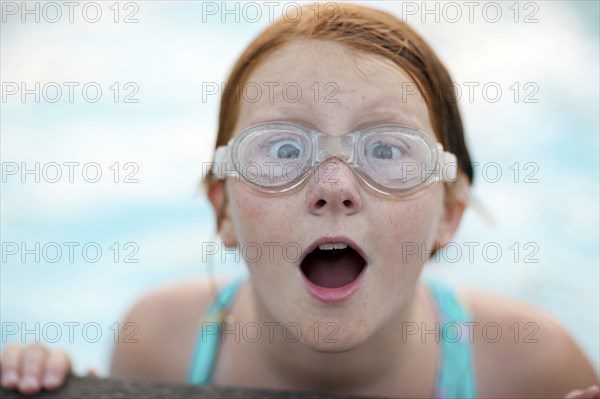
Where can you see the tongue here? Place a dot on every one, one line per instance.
(333, 268)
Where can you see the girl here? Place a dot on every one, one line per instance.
(338, 191)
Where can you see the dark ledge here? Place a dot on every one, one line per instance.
(100, 388)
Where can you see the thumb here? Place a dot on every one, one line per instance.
(574, 394)
(590, 393)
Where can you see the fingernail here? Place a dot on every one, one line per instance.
(10, 378)
(51, 380)
(29, 383)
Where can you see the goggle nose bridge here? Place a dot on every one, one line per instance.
(326, 146)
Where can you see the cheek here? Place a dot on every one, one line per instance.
(263, 226)
(246, 211)
(256, 216)
(407, 232)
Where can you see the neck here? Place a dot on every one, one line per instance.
(382, 357)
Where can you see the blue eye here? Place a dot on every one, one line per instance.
(385, 151)
(286, 149)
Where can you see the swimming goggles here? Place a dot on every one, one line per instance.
(392, 160)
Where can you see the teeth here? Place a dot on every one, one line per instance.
(327, 247)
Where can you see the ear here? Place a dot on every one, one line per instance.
(218, 198)
(456, 199)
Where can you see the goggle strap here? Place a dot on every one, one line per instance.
(482, 211)
(463, 191)
(219, 168)
(450, 174)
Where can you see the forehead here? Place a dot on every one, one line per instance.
(331, 88)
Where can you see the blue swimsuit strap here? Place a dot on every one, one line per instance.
(455, 377)
(209, 335)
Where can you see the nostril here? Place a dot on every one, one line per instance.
(348, 203)
(321, 203)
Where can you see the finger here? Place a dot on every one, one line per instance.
(11, 363)
(576, 394)
(590, 393)
(32, 368)
(58, 366)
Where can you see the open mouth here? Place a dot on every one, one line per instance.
(333, 265)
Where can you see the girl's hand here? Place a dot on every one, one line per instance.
(591, 393)
(32, 368)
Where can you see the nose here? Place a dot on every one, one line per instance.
(333, 188)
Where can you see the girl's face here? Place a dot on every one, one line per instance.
(341, 92)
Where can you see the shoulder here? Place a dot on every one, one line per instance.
(520, 350)
(158, 333)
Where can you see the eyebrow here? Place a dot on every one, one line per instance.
(394, 120)
(379, 118)
(380, 113)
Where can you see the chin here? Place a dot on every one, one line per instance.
(333, 337)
